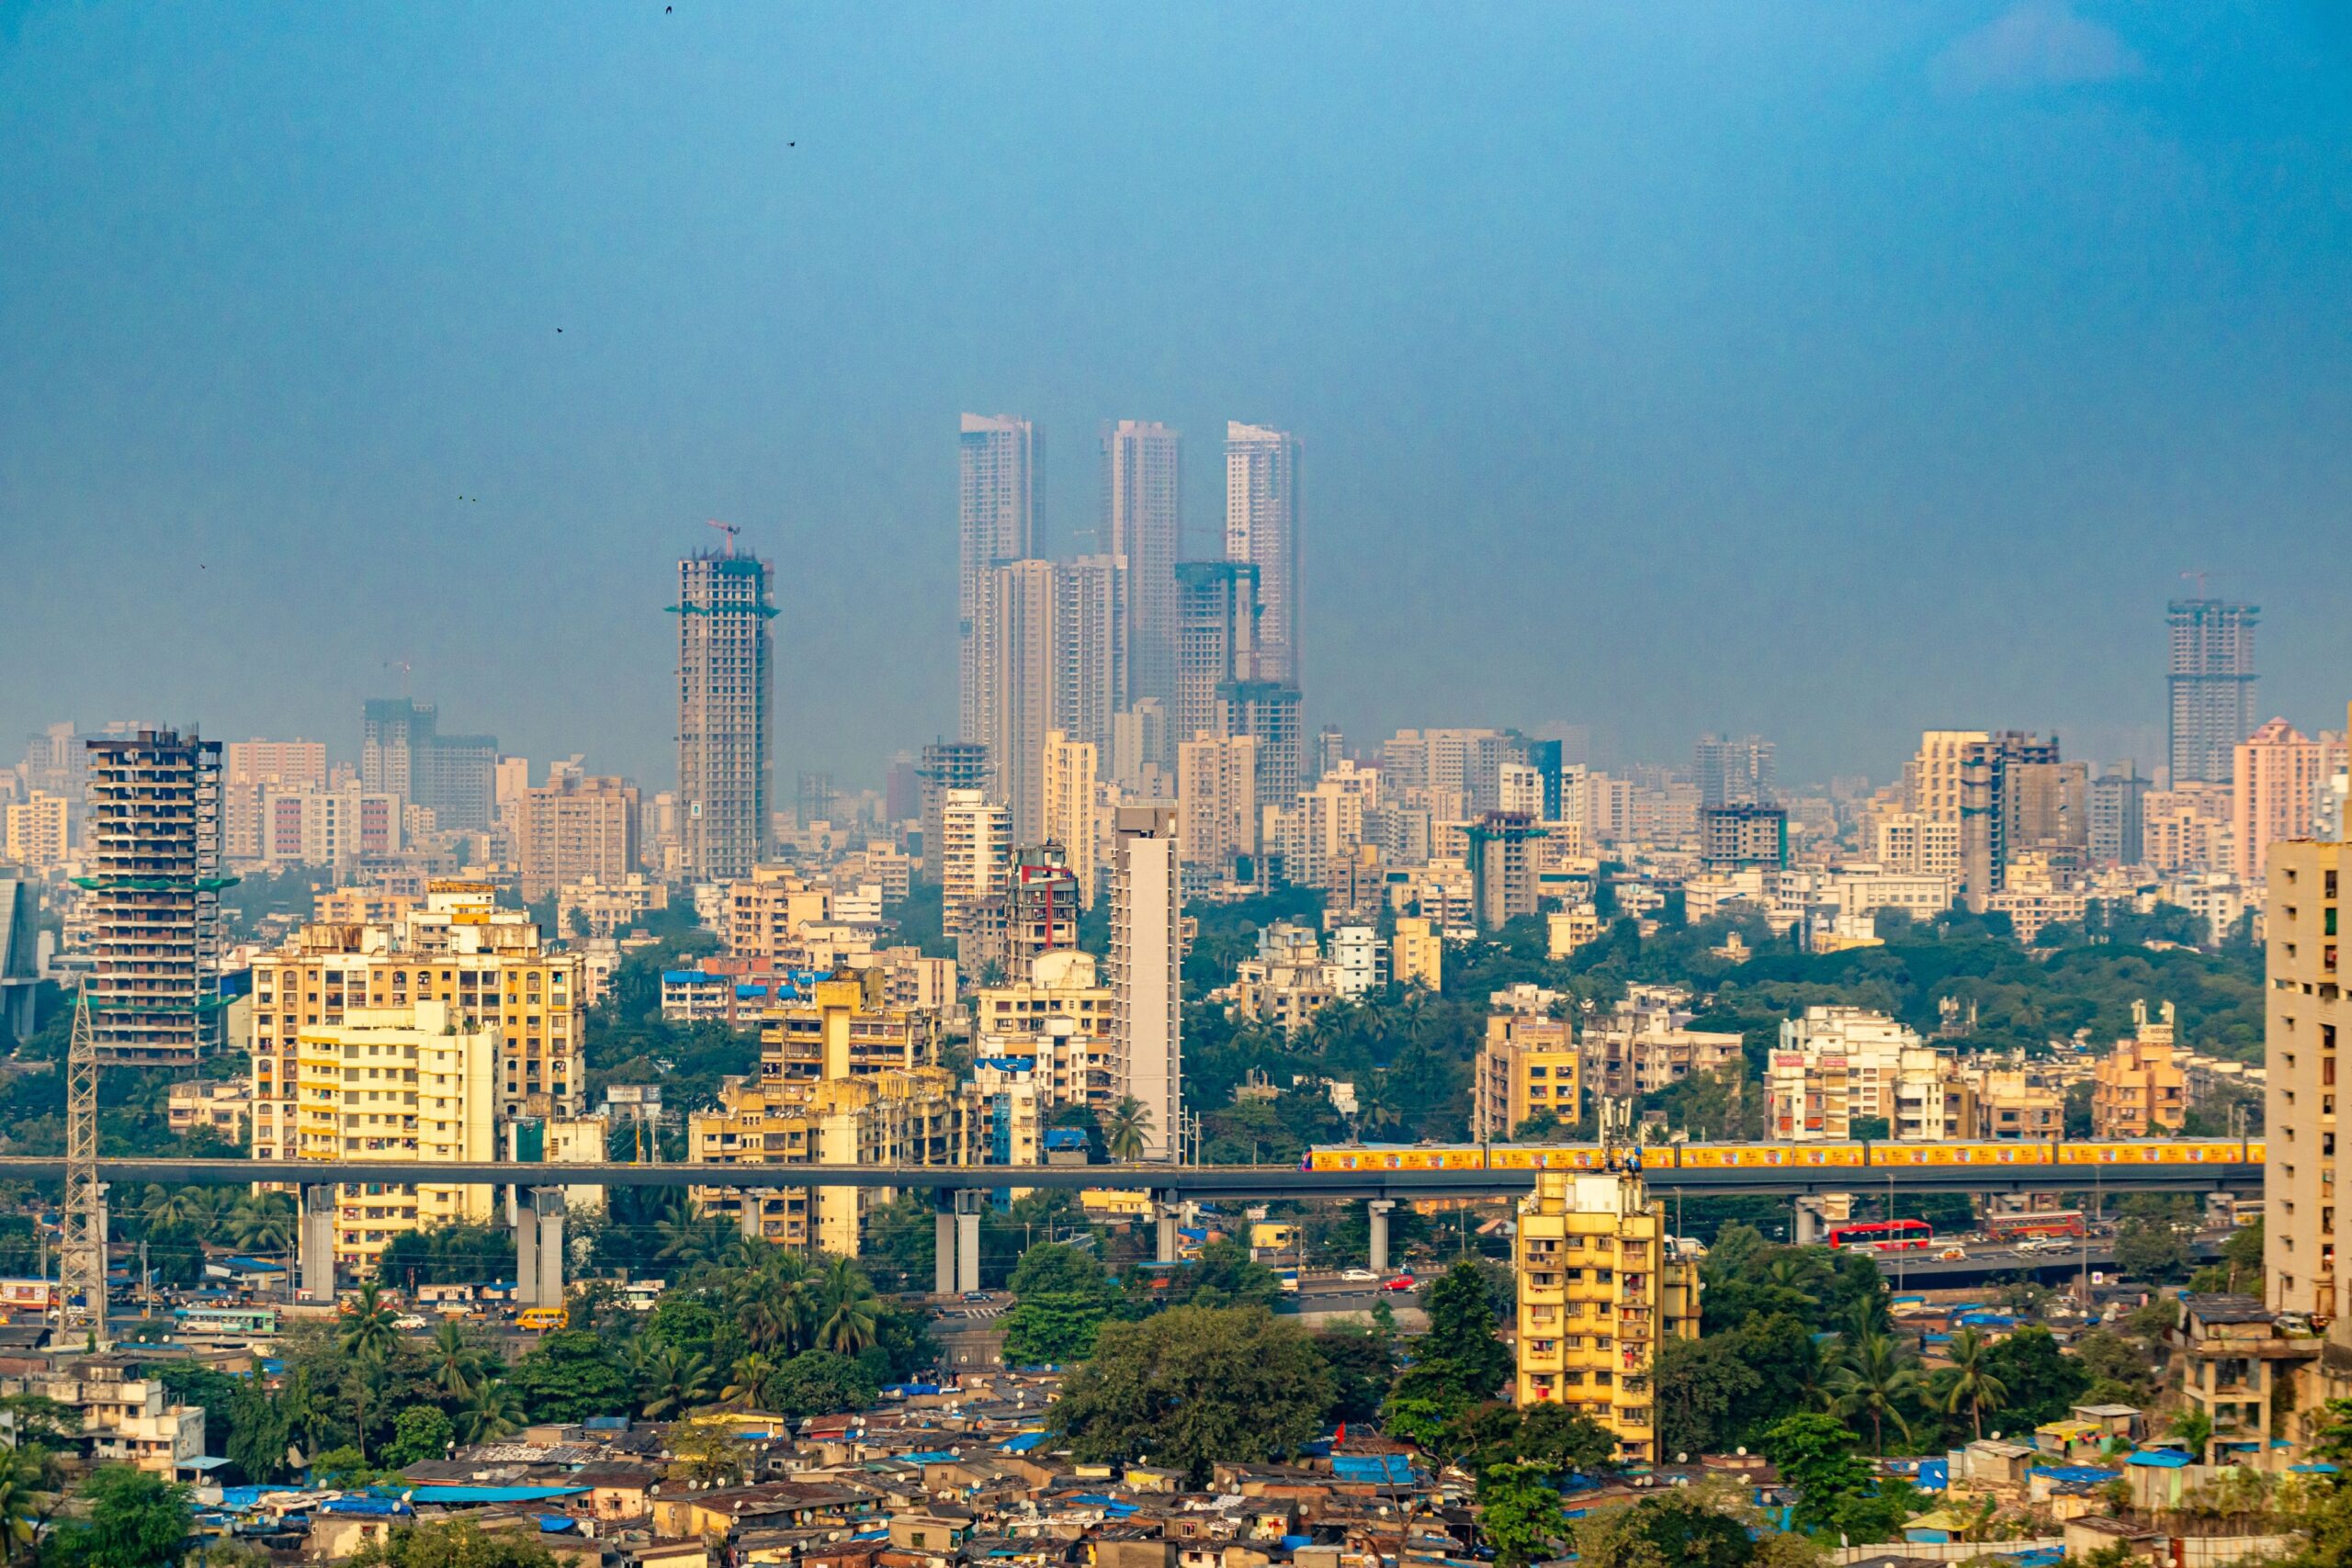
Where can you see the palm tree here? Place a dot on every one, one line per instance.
(746, 1381)
(849, 1309)
(458, 1363)
(262, 1222)
(1874, 1380)
(700, 1238)
(493, 1410)
(673, 1382)
(773, 1307)
(1970, 1380)
(368, 1336)
(26, 1499)
(1124, 1130)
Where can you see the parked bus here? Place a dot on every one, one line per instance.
(1885, 1236)
(2067, 1223)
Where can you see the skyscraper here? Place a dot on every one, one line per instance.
(1142, 525)
(1147, 972)
(1069, 785)
(2274, 786)
(1217, 627)
(1733, 772)
(402, 753)
(999, 460)
(154, 879)
(1016, 637)
(2211, 687)
(947, 767)
(1261, 527)
(723, 696)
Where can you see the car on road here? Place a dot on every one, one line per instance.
(976, 1295)
(409, 1321)
(1358, 1276)
(1952, 1254)
(1401, 1283)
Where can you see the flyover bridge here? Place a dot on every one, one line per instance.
(1380, 1179)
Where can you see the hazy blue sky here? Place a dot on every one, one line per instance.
(1831, 370)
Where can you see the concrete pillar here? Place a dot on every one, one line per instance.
(943, 1266)
(748, 1211)
(1170, 1244)
(546, 1204)
(527, 1250)
(1379, 1209)
(968, 1239)
(1809, 1223)
(315, 1220)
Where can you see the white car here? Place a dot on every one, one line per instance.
(409, 1321)
(1359, 1276)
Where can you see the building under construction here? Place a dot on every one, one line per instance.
(153, 878)
(723, 696)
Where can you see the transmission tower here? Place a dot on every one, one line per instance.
(82, 1256)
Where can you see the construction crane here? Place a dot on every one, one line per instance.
(82, 1252)
(730, 530)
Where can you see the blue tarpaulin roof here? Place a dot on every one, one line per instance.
(1021, 1444)
(377, 1507)
(1065, 1137)
(2160, 1459)
(557, 1524)
(905, 1390)
(1388, 1469)
(493, 1494)
(932, 1457)
(2073, 1473)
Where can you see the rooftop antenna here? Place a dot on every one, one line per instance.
(729, 529)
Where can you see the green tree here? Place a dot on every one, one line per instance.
(846, 1308)
(258, 1434)
(420, 1432)
(453, 1543)
(568, 1376)
(1814, 1453)
(1362, 1363)
(366, 1336)
(2195, 1431)
(817, 1382)
(458, 1362)
(1673, 1530)
(2149, 1249)
(1970, 1383)
(1061, 1298)
(1555, 1436)
(493, 1410)
(1223, 1275)
(1520, 1513)
(1193, 1385)
(1875, 1381)
(1461, 1346)
(1127, 1128)
(2042, 1382)
(27, 1494)
(673, 1382)
(131, 1519)
(1702, 1385)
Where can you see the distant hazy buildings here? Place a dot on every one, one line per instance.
(1733, 772)
(1261, 527)
(999, 460)
(1217, 625)
(1142, 526)
(724, 675)
(2210, 688)
(2275, 777)
(402, 753)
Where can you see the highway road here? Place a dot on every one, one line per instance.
(1196, 1182)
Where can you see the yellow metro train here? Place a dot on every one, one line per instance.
(1722, 1156)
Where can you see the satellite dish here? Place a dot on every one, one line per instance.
(1683, 1458)
(1743, 1453)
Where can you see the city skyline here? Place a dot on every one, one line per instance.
(1784, 425)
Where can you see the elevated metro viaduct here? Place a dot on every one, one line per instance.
(959, 1191)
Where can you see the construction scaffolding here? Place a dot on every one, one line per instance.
(82, 1260)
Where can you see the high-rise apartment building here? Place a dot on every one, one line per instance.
(2274, 784)
(1051, 656)
(325, 827)
(1600, 1295)
(1267, 711)
(1216, 781)
(152, 866)
(38, 829)
(2138, 1089)
(2307, 1027)
(999, 500)
(402, 753)
(975, 853)
(2210, 688)
(2117, 833)
(1068, 785)
(1143, 511)
(1217, 625)
(725, 678)
(1502, 847)
(1146, 970)
(575, 827)
(1261, 527)
(1731, 836)
(1733, 772)
(252, 767)
(947, 767)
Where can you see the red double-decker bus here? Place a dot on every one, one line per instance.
(2023, 1227)
(1885, 1236)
